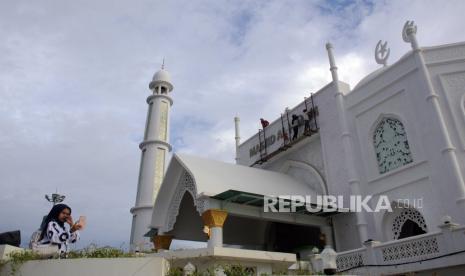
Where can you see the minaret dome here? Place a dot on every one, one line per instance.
(161, 79)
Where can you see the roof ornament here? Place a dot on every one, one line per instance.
(382, 53)
(409, 35)
(409, 29)
(163, 64)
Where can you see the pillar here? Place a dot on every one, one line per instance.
(448, 151)
(347, 142)
(214, 219)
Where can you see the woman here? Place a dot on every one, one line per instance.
(54, 232)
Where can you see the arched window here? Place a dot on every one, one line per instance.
(410, 229)
(408, 223)
(391, 145)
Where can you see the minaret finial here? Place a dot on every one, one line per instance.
(163, 64)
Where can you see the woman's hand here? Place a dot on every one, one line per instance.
(75, 227)
(69, 220)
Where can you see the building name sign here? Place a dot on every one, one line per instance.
(277, 134)
(269, 141)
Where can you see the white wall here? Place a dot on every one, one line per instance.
(400, 91)
(304, 162)
(149, 266)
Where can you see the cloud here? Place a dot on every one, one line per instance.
(74, 78)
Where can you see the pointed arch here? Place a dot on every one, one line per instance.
(408, 215)
(186, 185)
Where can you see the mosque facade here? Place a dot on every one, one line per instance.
(397, 138)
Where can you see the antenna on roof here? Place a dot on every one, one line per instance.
(163, 64)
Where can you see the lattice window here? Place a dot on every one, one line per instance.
(391, 145)
(416, 248)
(407, 214)
(349, 261)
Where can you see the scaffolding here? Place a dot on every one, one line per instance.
(310, 128)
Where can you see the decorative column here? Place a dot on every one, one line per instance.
(346, 137)
(447, 151)
(214, 220)
(155, 150)
(162, 242)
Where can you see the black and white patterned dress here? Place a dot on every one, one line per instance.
(60, 236)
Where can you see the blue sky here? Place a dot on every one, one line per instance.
(74, 77)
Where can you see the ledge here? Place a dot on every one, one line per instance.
(232, 254)
(151, 97)
(6, 249)
(147, 142)
(397, 171)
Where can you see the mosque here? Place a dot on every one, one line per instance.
(399, 134)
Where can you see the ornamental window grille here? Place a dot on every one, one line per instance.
(391, 145)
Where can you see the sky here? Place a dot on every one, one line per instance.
(74, 79)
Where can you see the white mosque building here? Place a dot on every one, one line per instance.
(398, 134)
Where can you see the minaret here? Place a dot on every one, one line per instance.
(237, 137)
(155, 149)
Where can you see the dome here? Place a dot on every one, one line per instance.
(161, 77)
(370, 77)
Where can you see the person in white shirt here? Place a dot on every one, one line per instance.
(54, 231)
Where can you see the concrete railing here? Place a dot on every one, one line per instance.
(405, 255)
(353, 258)
(410, 249)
